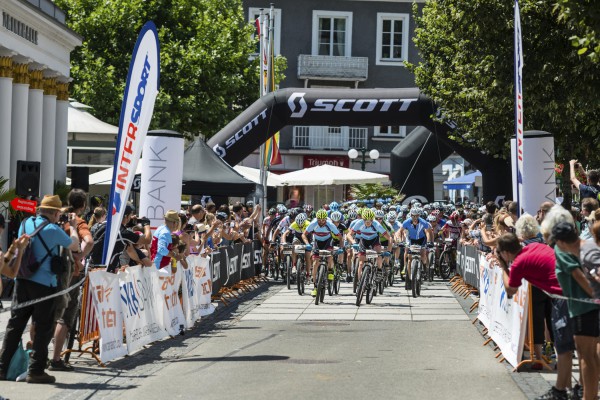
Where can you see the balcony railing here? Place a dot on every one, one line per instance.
(50, 9)
(329, 137)
(333, 68)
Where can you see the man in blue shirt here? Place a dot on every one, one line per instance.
(416, 231)
(162, 240)
(40, 284)
(322, 229)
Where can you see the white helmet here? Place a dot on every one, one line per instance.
(379, 214)
(336, 216)
(391, 216)
(352, 214)
(415, 211)
(300, 218)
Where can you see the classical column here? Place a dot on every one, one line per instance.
(20, 97)
(6, 73)
(62, 135)
(35, 112)
(48, 137)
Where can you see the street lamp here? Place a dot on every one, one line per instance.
(353, 154)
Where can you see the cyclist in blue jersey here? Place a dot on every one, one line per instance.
(368, 231)
(416, 231)
(323, 231)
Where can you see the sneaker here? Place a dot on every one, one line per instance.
(329, 277)
(60, 365)
(554, 394)
(40, 378)
(314, 292)
(348, 278)
(577, 392)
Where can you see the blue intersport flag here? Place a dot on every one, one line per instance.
(136, 112)
(518, 106)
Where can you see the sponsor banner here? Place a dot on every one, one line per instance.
(257, 250)
(167, 294)
(505, 318)
(215, 265)
(162, 174)
(234, 261)
(191, 293)
(470, 265)
(315, 161)
(247, 261)
(143, 324)
(104, 287)
(136, 112)
(203, 279)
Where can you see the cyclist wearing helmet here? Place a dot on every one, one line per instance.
(435, 227)
(452, 228)
(323, 231)
(308, 210)
(416, 231)
(336, 218)
(368, 230)
(380, 217)
(265, 232)
(294, 234)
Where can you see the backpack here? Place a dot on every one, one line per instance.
(29, 264)
(98, 232)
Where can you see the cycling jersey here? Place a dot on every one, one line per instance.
(453, 230)
(322, 233)
(368, 232)
(416, 231)
(337, 238)
(284, 224)
(395, 226)
(388, 229)
(297, 231)
(352, 226)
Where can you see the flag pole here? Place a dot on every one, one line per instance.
(269, 88)
(261, 92)
(519, 125)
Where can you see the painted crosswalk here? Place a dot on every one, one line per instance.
(436, 303)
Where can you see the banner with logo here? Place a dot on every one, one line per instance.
(257, 250)
(505, 318)
(171, 315)
(202, 275)
(105, 298)
(162, 174)
(215, 264)
(136, 112)
(141, 312)
(467, 264)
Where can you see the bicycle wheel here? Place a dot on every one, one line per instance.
(288, 271)
(319, 283)
(414, 272)
(445, 266)
(371, 290)
(354, 274)
(360, 291)
(419, 278)
(431, 268)
(330, 289)
(300, 275)
(337, 283)
(381, 284)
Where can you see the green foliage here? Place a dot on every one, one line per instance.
(467, 68)
(205, 45)
(583, 16)
(368, 191)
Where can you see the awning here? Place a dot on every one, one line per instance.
(331, 175)
(464, 182)
(253, 174)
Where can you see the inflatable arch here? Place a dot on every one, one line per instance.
(363, 107)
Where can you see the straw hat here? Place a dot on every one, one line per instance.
(201, 228)
(172, 216)
(51, 203)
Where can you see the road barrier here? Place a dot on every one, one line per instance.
(139, 305)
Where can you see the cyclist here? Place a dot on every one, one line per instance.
(265, 233)
(308, 210)
(323, 231)
(367, 233)
(393, 223)
(294, 234)
(380, 217)
(339, 239)
(416, 231)
(333, 207)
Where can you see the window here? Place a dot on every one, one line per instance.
(391, 131)
(332, 33)
(392, 39)
(254, 13)
(88, 157)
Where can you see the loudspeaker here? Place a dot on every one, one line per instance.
(80, 178)
(28, 178)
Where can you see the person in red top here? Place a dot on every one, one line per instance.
(536, 263)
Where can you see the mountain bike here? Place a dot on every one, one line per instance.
(366, 287)
(333, 287)
(271, 267)
(416, 268)
(391, 266)
(286, 263)
(448, 259)
(321, 281)
(432, 261)
(300, 251)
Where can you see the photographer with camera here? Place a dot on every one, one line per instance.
(37, 280)
(591, 189)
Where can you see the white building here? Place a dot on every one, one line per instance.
(35, 48)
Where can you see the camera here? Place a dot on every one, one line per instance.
(63, 218)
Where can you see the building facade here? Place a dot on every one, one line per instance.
(342, 43)
(35, 47)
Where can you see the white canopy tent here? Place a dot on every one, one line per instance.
(105, 176)
(253, 174)
(81, 121)
(331, 175)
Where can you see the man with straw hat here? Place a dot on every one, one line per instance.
(38, 283)
(162, 241)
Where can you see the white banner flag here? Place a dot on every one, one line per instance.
(141, 313)
(106, 299)
(136, 112)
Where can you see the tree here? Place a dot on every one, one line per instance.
(207, 77)
(372, 191)
(584, 17)
(467, 69)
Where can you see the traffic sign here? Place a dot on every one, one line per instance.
(25, 205)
